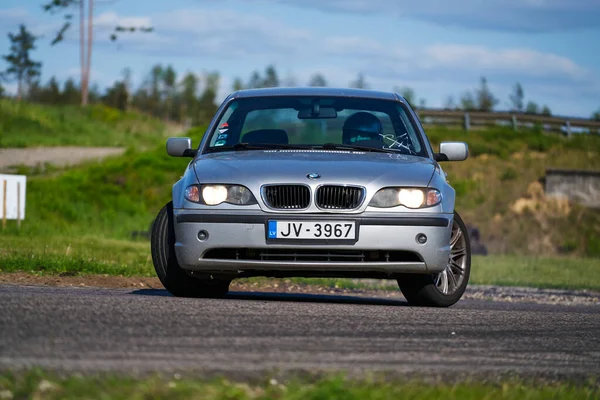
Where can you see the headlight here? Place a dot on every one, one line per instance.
(213, 195)
(408, 197)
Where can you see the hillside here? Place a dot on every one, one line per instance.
(25, 124)
(498, 190)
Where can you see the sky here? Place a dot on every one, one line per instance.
(438, 48)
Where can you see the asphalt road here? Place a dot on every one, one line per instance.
(146, 330)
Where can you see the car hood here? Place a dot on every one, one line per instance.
(257, 167)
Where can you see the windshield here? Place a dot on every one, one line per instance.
(314, 122)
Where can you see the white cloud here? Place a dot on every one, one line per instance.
(434, 71)
(110, 19)
(243, 40)
(226, 34)
(520, 15)
(516, 60)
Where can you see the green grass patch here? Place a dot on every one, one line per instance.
(504, 141)
(86, 255)
(24, 124)
(75, 256)
(541, 272)
(36, 383)
(110, 199)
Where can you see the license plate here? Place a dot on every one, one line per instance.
(312, 230)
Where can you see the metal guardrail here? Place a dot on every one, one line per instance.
(476, 119)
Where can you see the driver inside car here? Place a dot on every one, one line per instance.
(363, 129)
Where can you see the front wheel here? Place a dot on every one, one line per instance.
(171, 275)
(447, 287)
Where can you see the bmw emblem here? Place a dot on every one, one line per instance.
(313, 176)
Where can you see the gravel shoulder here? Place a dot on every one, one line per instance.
(58, 156)
(474, 292)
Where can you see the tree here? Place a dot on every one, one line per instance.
(516, 98)
(255, 80)
(206, 102)
(407, 93)
(85, 49)
(189, 93)
(360, 82)
(449, 103)
(70, 93)
(317, 80)
(169, 78)
(34, 90)
(467, 102)
(271, 77)
(237, 85)
(546, 110)
(485, 99)
(117, 96)
(20, 66)
(532, 108)
(2, 91)
(50, 93)
(596, 115)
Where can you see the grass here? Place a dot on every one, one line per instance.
(91, 255)
(122, 194)
(36, 383)
(75, 256)
(110, 199)
(107, 201)
(503, 142)
(25, 124)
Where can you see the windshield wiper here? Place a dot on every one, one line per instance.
(334, 146)
(257, 146)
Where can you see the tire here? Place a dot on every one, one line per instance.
(424, 290)
(171, 275)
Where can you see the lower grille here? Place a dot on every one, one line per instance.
(339, 197)
(286, 197)
(312, 255)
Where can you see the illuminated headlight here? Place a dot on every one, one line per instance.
(407, 197)
(213, 195)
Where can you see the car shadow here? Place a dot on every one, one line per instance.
(290, 297)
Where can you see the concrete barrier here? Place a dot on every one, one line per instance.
(581, 186)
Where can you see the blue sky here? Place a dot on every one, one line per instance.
(438, 48)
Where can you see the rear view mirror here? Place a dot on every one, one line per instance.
(180, 147)
(321, 112)
(452, 151)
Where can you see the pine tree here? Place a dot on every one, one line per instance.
(21, 68)
(485, 99)
(271, 77)
(516, 98)
(360, 82)
(317, 80)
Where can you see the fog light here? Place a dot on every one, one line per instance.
(421, 238)
(202, 236)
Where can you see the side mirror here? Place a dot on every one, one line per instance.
(452, 151)
(180, 147)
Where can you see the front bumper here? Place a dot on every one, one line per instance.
(238, 243)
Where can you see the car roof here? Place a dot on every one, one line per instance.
(316, 91)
